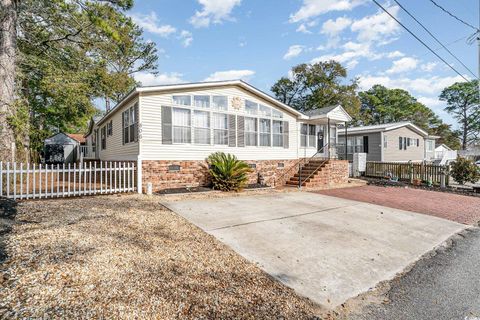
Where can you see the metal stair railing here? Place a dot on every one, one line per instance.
(316, 169)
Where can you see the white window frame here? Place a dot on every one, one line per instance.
(174, 126)
(195, 128)
(252, 132)
(268, 134)
(278, 135)
(128, 125)
(224, 130)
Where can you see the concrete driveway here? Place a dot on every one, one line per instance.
(328, 249)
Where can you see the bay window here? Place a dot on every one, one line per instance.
(265, 129)
(220, 128)
(250, 131)
(277, 133)
(181, 121)
(201, 127)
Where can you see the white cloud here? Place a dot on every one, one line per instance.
(429, 66)
(313, 8)
(378, 27)
(395, 54)
(213, 11)
(333, 27)
(186, 37)
(150, 79)
(293, 51)
(352, 52)
(304, 27)
(425, 86)
(430, 102)
(230, 75)
(150, 23)
(403, 65)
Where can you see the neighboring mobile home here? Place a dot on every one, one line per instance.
(398, 142)
(170, 130)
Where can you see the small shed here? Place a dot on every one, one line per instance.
(62, 148)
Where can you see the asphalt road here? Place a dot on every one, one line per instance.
(446, 286)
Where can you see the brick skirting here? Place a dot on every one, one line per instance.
(163, 174)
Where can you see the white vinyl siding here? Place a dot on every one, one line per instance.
(153, 149)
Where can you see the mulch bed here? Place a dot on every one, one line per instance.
(127, 257)
(205, 189)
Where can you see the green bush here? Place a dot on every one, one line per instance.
(464, 170)
(228, 173)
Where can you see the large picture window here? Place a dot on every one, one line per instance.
(250, 131)
(201, 124)
(277, 133)
(181, 125)
(265, 130)
(220, 128)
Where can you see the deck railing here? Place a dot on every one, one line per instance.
(408, 171)
(87, 152)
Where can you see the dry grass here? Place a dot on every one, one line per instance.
(128, 257)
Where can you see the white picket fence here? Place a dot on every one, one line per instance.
(36, 181)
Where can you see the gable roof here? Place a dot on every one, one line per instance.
(77, 136)
(60, 138)
(335, 112)
(386, 127)
(201, 85)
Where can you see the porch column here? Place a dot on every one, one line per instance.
(328, 137)
(346, 139)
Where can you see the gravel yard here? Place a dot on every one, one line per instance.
(128, 257)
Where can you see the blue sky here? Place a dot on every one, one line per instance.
(260, 40)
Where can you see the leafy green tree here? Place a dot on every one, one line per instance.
(463, 104)
(314, 86)
(69, 54)
(464, 170)
(384, 105)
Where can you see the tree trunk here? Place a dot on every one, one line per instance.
(464, 128)
(8, 51)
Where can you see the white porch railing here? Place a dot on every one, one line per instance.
(36, 181)
(87, 152)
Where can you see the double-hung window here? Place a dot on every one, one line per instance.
(220, 128)
(359, 144)
(131, 125)
(350, 145)
(109, 128)
(201, 124)
(250, 131)
(277, 133)
(265, 130)
(312, 137)
(104, 137)
(181, 121)
(303, 134)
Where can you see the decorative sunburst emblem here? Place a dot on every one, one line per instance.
(237, 103)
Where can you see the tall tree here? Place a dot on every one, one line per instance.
(384, 105)
(70, 53)
(463, 104)
(313, 86)
(8, 58)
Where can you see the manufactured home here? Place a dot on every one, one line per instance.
(170, 130)
(390, 142)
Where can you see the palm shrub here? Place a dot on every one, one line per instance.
(463, 170)
(228, 173)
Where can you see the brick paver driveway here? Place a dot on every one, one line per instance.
(463, 209)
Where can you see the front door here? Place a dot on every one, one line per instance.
(320, 139)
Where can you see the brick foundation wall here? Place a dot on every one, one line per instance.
(195, 173)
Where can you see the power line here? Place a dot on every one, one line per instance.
(420, 40)
(436, 39)
(454, 16)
